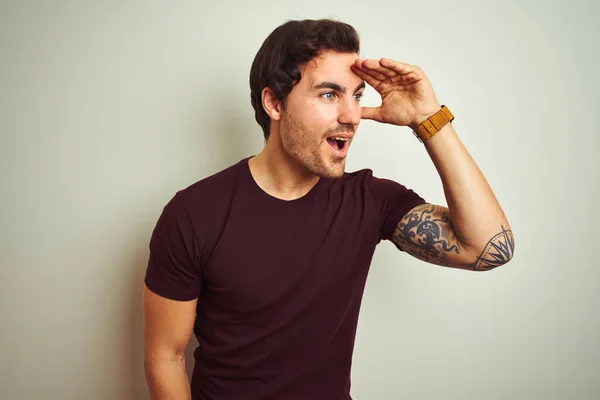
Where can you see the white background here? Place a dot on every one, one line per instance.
(108, 108)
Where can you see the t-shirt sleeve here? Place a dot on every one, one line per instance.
(173, 269)
(395, 201)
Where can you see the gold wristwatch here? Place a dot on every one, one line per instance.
(433, 124)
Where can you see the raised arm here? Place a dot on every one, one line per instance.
(428, 234)
(472, 232)
(167, 330)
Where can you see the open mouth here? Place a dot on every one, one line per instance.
(338, 145)
(336, 142)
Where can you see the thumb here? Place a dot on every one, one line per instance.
(371, 113)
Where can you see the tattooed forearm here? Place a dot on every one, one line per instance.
(497, 252)
(426, 232)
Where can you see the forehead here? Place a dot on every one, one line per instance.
(330, 66)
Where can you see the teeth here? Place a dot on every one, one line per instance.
(342, 139)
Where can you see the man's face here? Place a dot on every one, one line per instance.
(325, 104)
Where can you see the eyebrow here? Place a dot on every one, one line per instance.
(337, 87)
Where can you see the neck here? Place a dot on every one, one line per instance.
(278, 174)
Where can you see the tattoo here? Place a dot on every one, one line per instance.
(498, 251)
(426, 232)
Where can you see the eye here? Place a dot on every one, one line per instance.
(358, 96)
(328, 95)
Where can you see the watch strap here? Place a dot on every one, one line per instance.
(433, 124)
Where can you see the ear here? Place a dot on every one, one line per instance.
(271, 104)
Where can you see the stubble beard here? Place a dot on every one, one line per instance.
(305, 147)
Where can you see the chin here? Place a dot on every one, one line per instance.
(321, 165)
(331, 171)
(336, 173)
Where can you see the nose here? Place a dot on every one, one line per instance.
(349, 112)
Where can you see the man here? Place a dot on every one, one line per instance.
(267, 260)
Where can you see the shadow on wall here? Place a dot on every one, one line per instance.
(231, 143)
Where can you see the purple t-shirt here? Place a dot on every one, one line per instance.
(279, 283)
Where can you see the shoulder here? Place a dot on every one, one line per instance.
(361, 177)
(211, 190)
(388, 194)
(205, 203)
(381, 191)
(367, 180)
(198, 210)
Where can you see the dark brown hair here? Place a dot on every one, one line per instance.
(289, 47)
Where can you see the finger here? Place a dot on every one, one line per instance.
(406, 79)
(376, 66)
(373, 74)
(370, 113)
(372, 68)
(370, 79)
(398, 67)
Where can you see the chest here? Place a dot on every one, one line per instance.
(269, 257)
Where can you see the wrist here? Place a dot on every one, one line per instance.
(424, 117)
(432, 124)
